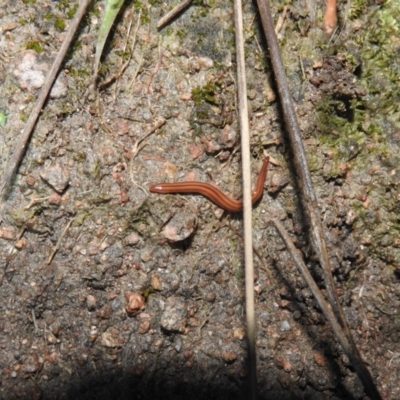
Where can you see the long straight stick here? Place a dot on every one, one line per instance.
(247, 206)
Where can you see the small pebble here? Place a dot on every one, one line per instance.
(285, 326)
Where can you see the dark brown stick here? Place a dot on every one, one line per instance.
(309, 199)
(327, 311)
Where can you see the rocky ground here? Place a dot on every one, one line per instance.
(108, 291)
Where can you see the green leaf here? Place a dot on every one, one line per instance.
(110, 13)
(3, 118)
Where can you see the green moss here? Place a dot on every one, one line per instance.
(23, 116)
(20, 216)
(357, 7)
(29, 1)
(181, 33)
(63, 5)
(79, 157)
(80, 218)
(59, 24)
(205, 93)
(145, 17)
(34, 45)
(239, 272)
(78, 72)
(71, 12)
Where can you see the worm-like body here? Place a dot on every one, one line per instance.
(212, 193)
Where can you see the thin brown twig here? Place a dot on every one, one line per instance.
(174, 12)
(309, 200)
(20, 149)
(57, 246)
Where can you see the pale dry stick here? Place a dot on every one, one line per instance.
(309, 200)
(171, 14)
(247, 187)
(330, 17)
(20, 149)
(35, 201)
(57, 246)
(35, 324)
(281, 19)
(136, 149)
(324, 306)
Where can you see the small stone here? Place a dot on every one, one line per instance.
(57, 176)
(146, 256)
(287, 366)
(8, 233)
(111, 338)
(19, 244)
(93, 334)
(31, 74)
(285, 326)
(91, 302)
(132, 239)
(277, 182)
(205, 62)
(121, 126)
(284, 363)
(104, 312)
(144, 327)
(155, 282)
(210, 297)
(180, 227)
(51, 339)
(228, 356)
(30, 180)
(320, 359)
(135, 303)
(32, 364)
(297, 315)
(212, 146)
(228, 137)
(239, 333)
(174, 316)
(55, 199)
(196, 150)
(350, 217)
